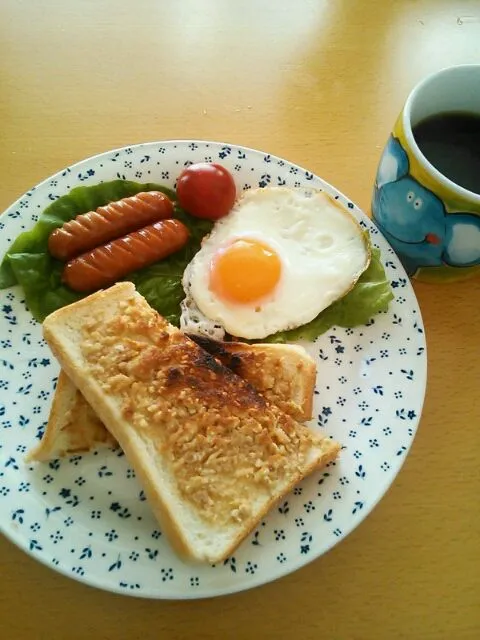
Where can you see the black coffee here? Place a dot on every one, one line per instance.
(451, 142)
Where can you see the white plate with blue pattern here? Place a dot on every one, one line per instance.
(86, 516)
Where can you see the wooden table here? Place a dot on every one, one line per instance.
(319, 83)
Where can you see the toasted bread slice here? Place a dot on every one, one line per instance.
(211, 453)
(73, 426)
(283, 374)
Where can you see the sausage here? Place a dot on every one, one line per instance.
(114, 220)
(104, 265)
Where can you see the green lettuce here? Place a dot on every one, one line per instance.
(371, 294)
(29, 264)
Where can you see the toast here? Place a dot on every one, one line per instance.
(284, 374)
(212, 454)
(73, 426)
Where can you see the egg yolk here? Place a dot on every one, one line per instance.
(245, 271)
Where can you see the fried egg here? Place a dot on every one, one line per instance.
(278, 259)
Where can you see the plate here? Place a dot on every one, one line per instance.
(87, 517)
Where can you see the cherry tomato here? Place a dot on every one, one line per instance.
(206, 190)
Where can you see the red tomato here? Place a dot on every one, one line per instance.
(206, 190)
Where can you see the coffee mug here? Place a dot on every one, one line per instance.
(426, 200)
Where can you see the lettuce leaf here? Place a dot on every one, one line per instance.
(29, 264)
(371, 294)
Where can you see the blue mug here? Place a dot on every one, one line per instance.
(432, 223)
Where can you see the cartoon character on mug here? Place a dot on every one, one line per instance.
(414, 220)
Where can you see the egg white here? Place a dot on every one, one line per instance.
(322, 249)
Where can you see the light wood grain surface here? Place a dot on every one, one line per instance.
(319, 83)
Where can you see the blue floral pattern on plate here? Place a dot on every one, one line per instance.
(87, 516)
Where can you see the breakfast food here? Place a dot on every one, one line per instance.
(212, 454)
(278, 259)
(91, 229)
(283, 374)
(212, 429)
(73, 426)
(29, 264)
(206, 190)
(106, 264)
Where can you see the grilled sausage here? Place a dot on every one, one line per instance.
(104, 265)
(114, 220)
